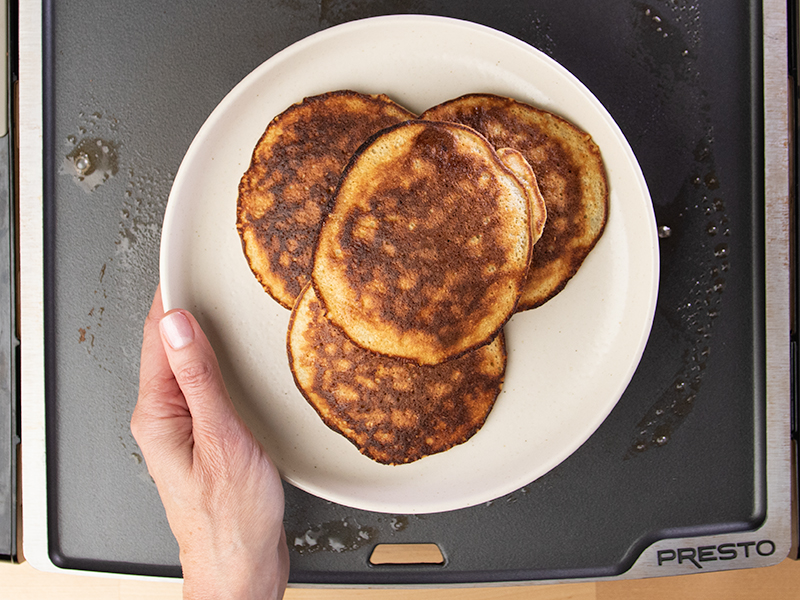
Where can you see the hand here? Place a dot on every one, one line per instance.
(222, 494)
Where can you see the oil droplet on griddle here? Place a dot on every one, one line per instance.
(82, 163)
(334, 536)
(398, 523)
(695, 310)
(91, 162)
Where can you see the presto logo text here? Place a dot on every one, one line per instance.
(705, 554)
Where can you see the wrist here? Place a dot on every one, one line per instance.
(239, 578)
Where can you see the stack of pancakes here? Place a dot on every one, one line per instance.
(403, 245)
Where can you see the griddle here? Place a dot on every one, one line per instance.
(683, 454)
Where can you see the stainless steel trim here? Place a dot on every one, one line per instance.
(34, 489)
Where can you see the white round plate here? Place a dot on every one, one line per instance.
(569, 361)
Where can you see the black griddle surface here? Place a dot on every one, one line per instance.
(681, 454)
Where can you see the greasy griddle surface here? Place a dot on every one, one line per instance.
(678, 453)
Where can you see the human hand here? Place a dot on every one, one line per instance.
(222, 494)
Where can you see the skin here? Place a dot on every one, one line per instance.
(222, 494)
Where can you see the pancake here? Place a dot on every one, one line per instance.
(570, 174)
(514, 160)
(285, 193)
(428, 244)
(393, 411)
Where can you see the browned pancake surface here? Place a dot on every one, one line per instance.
(570, 174)
(285, 193)
(427, 247)
(393, 411)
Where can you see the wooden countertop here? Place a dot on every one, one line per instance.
(781, 582)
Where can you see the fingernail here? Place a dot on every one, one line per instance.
(177, 330)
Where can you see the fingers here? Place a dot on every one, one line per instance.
(183, 406)
(197, 373)
(161, 423)
(156, 381)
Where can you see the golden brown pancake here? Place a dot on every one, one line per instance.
(428, 244)
(514, 160)
(394, 412)
(570, 174)
(285, 193)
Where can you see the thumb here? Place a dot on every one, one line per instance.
(197, 373)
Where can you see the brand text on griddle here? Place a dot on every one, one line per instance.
(702, 554)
